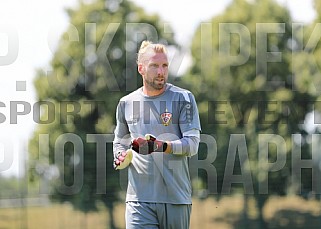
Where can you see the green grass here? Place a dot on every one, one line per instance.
(52, 216)
(280, 213)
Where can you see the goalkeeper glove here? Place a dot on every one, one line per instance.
(123, 159)
(148, 145)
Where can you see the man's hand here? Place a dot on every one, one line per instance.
(148, 145)
(123, 159)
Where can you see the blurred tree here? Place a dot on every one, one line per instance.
(248, 100)
(306, 65)
(9, 187)
(93, 66)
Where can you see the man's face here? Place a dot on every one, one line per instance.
(154, 71)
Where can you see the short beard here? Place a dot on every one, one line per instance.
(156, 86)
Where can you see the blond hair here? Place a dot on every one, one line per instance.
(147, 47)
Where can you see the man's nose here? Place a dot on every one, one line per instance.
(161, 71)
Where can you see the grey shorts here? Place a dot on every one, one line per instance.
(157, 215)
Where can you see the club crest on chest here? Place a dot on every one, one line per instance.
(166, 118)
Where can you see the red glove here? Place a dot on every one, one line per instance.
(123, 159)
(148, 145)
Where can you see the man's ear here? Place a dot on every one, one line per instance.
(141, 69)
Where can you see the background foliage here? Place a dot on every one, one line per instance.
(247, 85)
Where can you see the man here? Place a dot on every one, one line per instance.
(157, 129)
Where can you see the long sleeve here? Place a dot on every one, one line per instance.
(122, 136)
(188, 145)
(189, 124)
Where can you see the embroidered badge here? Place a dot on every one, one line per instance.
(166, 118)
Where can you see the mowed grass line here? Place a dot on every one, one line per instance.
(55, 216)
(226, 213)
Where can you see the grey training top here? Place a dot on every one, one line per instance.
(171, 116)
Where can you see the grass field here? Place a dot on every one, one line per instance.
(280, 213)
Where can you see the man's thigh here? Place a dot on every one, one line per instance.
(140, 215)
(172, 216)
